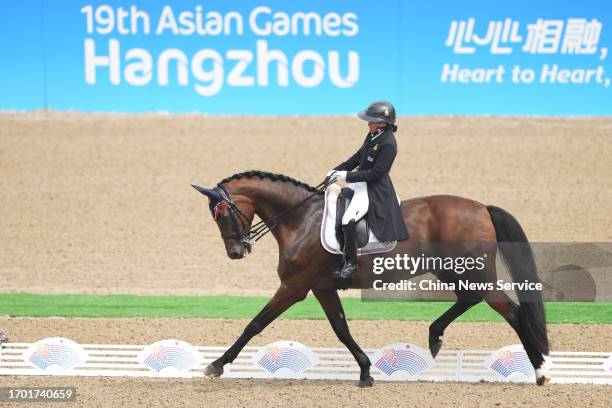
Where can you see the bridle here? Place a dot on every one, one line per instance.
(248, 237)
(245, 236)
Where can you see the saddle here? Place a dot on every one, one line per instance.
(332, 238)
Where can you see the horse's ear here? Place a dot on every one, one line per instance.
(208, 193)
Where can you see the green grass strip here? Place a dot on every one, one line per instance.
(236, 307)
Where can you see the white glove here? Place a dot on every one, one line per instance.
(340, 176)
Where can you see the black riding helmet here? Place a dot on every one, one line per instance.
(379, 111)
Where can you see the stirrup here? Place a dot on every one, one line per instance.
(339, 267)
(344, 278)
(348, 270)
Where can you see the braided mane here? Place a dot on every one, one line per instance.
(270, 176)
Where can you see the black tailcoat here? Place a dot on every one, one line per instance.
(374, 159)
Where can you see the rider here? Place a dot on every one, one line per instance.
(373, 190)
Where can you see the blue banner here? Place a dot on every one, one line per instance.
(315, 57)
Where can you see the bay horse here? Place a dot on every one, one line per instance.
(292, 211)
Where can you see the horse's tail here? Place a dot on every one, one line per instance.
(520, 261)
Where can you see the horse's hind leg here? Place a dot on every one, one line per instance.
(506, 307)
(436, 329)
(281, 301)
(330, 301)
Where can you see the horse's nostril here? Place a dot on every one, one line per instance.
(234, 254)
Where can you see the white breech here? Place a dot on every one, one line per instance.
(359, 203)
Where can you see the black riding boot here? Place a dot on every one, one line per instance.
(344, 277)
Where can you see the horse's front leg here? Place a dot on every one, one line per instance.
(330, 301)
(281, 301)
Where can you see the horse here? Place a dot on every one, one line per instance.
(292, 211)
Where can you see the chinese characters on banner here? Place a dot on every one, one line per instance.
(573, 36)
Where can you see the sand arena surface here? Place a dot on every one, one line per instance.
(113, 392)
(102, 203)
(135, 392)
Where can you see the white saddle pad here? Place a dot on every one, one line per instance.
(328, 228)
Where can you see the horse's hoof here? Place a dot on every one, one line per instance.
(435, 347)
(543, 380)
(212, 372)
(366, 382)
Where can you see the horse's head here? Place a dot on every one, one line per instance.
(234, 216)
